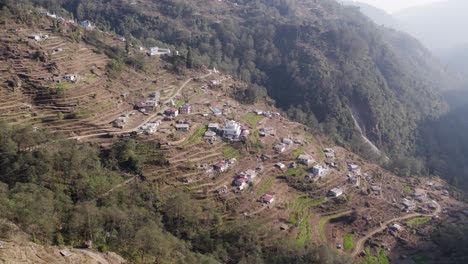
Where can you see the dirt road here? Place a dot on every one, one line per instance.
(358, 247)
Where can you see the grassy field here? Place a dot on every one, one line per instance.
(230, 152)
(265, 185)
(348, 242)
(304, 232)
(298, 171)
(320, 152)
(179, 103)
(407, 189)
(418, 221)
(300, 205)
(297, 152)
(196, 137)
(251, 119)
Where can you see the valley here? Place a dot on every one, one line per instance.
(274, 172)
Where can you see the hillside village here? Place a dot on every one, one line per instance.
(248, 158)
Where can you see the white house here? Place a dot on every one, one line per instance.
(38, 37)
(213, 127)
(231, 129)
(268, 198)
(287, 141)
(158, 51)
(150, 127)
(319, 170)
(354, 168)
(305, 159)
(182, 127)
(71, 77)
(88, 25)
(280, 165)
(249, 174)
(335, 192)
(280, 148)
(120, 122)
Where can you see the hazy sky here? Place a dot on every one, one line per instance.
(396, 5)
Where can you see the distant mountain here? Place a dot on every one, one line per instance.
(379, 16)
(440, 25)
(456, 59)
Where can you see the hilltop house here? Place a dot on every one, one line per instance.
(71, 77)
(241, 182)
(209, 136)
(231, 129)
(158, 51)
(354, 168)
(38, 37)
(335, 192)
(305, 159)
(408, 204)
(249, 174)
(280, 148)
(221, 166)
(287, 141)
(150, 127)
(146, 106)
(120, 122)
(280, 165)
(171, 112)
(213, 127)
(185, 109)
(182, 127)
(319, 170)
(268, 198)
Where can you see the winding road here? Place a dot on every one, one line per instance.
(358, 247)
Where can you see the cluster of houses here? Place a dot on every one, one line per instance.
(231, 130)
(149, 104)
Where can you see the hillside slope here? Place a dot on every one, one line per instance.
(317, 59)
(184, 192)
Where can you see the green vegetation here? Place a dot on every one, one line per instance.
(297, 152)
(348, 242)
(321, 227)
(300, 205)
(251, 119)
(265, 185)
(420, 259)
(320, 152)
(196, 137)
(230, 152)
(179, 103)
(407, 189)
(304, 232)
(298, 171)
(381, 257)
(418, 221)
